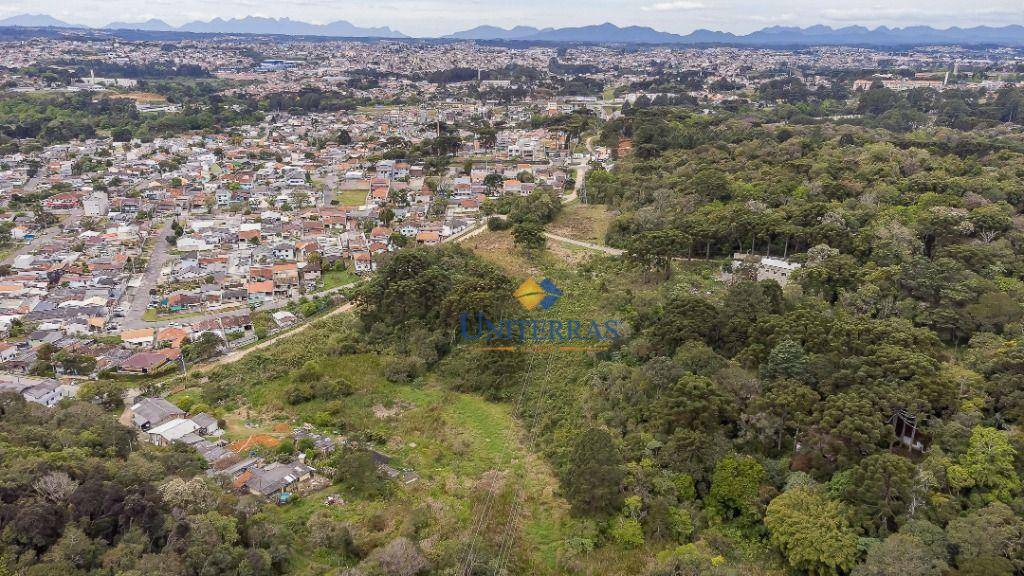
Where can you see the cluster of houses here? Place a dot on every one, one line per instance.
(65, 290)
(254, 252)
(204, 228)
(160, 422)
(153, 349)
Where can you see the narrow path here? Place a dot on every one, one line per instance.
(590, 245)
(239, 354)
(468, 233)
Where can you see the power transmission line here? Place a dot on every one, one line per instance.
(471, 553)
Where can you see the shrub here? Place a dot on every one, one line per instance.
(404, 369)
(627, 532)
(497, 223)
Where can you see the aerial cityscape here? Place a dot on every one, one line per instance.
(281, 294)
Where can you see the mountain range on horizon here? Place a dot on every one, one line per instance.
(497, 33)
(246, 25)
(37, 21)
(1010, 35)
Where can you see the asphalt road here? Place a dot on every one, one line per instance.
(140, 297)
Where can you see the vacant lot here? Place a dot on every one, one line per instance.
(350, 197)
(335, 278)
(144, 97)
(587, 222)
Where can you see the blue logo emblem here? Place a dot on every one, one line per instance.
(532, 294)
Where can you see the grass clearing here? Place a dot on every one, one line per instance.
(350, 197)
(334, 278)
(498, 247)
(454, 441)
(144, 97)
(586, 222)
(154, 315)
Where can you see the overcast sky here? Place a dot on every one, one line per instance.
(439, 17)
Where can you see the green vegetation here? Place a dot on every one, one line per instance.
(80, 495)
(328, 376)
(69, 69)
(58, 118)
(335, 278)
(526, 216)
(154, 315)
(351, 197)
(750, 427)
(860, 420)
(309, 100)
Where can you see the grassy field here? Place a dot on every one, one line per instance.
(497, 246)
(595, 286)
(144, 97)
(587, 222)
(460, 445)
(335, 278)
(350, 197)
(153, 315)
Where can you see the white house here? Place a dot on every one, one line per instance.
(766, 268)
(45, 391)
(138, 338)
(171, 430)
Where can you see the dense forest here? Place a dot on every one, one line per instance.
(27, 119)
(85, 68)
(756, 428)
(309, 100)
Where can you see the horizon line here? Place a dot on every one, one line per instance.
(505, 27)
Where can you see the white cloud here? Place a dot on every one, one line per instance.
(672, 5)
